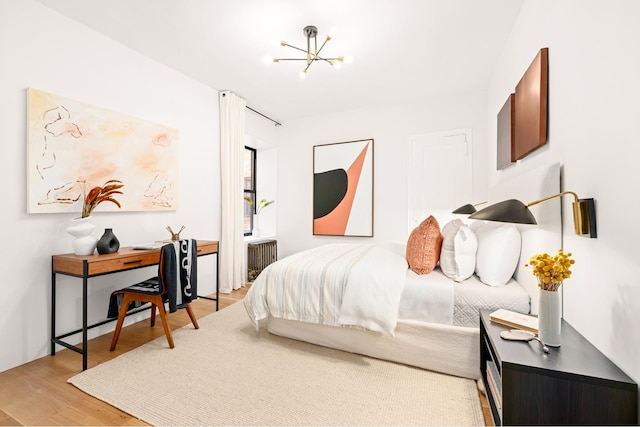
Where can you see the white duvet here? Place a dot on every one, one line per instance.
(337, 284)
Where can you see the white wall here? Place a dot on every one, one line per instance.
(40, 48)
(390, 128)
(593, 114)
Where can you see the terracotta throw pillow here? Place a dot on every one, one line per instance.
(423, 246)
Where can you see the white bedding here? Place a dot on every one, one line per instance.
(427, 298)
(336, 285)
(473, 295)
(370, 286)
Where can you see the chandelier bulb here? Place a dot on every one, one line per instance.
(268, 60)
(303, 74)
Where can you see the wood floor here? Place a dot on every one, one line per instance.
(37, 393)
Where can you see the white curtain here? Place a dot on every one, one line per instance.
(232, 118)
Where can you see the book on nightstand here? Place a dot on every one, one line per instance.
(495, 384)
(515, 320)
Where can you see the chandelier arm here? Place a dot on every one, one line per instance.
(294, 47)
(318, 52)
(307, 67)
(304, 59)
(326, 59)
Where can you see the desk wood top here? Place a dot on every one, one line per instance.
(126, 258)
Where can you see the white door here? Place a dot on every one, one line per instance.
(440, 174)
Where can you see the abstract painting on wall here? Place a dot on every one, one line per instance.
(73, 147)
(343, 189)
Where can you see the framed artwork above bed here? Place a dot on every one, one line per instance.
(343, 189)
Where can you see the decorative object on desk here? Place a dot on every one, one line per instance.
(551, 271)
(263, 203)
(83, 243)
(98, 195)
(175, 236)
(108, 243)
(521, 335)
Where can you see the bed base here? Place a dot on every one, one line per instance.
(452, 350)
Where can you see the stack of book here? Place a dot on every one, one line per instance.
(495, 383)
(515, 320)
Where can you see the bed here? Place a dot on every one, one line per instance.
(424, 320)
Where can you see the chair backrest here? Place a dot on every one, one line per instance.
(178, 272)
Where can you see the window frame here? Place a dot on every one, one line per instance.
(252, 190)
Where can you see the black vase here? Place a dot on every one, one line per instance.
(108, 243)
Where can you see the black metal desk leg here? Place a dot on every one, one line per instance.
(217, 280)
(53, 311)
(85, 350)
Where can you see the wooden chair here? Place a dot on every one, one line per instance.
(163, 288)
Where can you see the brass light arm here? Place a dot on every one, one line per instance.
(584, 215)
(575, 196)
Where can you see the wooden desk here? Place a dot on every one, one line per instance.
(88, 266)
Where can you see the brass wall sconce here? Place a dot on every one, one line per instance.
(514, 211)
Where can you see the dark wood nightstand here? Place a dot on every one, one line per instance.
(573, 384)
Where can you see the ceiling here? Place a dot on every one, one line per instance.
(403, 50)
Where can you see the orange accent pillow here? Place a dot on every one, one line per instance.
(423, 246)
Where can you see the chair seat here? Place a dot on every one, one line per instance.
(149, 286)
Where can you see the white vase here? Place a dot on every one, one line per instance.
(550, 318)
(83, 242)
(256, 225)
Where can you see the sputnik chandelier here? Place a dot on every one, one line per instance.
(312, 51)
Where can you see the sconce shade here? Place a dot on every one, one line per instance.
(507, 211)
(465, 210)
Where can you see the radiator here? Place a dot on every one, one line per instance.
(260, 254)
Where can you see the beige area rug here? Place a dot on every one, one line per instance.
(226, 373)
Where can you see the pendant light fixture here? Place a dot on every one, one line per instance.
(312, 52)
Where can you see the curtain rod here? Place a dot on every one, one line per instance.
(268, 118)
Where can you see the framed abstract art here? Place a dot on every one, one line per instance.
(73, 147)
(343, 189)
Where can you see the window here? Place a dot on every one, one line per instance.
(249, 187)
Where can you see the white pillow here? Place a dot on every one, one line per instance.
(458, 254)
(498, 253)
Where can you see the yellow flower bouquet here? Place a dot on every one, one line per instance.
(551, 271)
